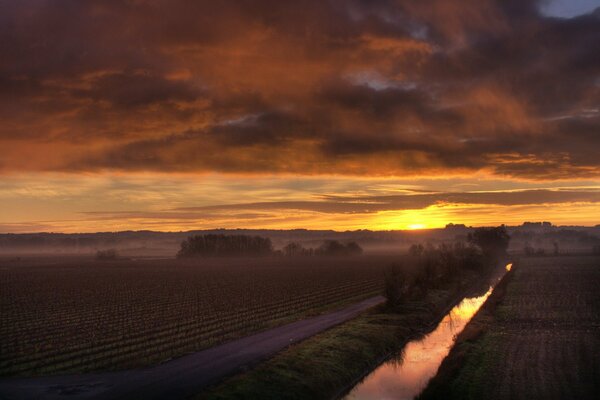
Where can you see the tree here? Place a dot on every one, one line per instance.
(225, 245)
(294, 249)
(335, 248)
(493, 242)
(331, 248)
(396, 286)
(353, 249)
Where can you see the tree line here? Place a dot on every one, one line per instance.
(328, 248)
(225, 245)
(216, 245)
(430, 267)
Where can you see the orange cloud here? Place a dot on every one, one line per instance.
(309, 90)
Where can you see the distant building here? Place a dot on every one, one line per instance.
(544, 224)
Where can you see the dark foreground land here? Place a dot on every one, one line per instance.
(69, 315)
(179, 378)
(327, 365)
(538, 338)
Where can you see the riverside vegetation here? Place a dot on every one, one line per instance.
(419, 291)
(535, 338)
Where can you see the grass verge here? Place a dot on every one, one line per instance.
(329, 363)
(472, 344)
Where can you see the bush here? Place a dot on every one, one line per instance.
(225, 245)
(107, 255)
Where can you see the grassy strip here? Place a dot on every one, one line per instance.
(474, 347)
(325, 365)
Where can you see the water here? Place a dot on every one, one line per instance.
(405, 376)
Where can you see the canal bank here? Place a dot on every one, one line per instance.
(536, 338)
(329, 364)
(405, 374)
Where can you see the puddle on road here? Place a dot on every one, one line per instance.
(405, 376)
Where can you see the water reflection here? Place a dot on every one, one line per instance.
(406, 375)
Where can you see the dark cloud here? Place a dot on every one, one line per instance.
(348, 87)
(122, 90)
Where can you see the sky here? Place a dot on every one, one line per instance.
(320, 114)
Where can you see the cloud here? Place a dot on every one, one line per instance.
(413, 201)
(434, 209)
(378, 88)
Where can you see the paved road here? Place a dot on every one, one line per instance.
(183, 376)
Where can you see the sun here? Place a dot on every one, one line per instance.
(415, 226)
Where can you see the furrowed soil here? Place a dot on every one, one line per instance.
(329, 364)
(65, 315)
(539, 340)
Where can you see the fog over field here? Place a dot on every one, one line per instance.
(299, 199)
(166, 244)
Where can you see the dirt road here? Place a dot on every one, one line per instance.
(183, 376)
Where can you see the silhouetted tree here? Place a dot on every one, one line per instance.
(296, 249)
(335, 248)
(225, 245)
(468, 256)
(493, 242)
(396, 288)
(353, 249)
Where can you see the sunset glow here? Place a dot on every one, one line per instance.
(415, 226)
(256, 199)
(171, 115)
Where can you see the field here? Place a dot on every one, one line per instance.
(329, 364)
(74, 315)
(541, 341)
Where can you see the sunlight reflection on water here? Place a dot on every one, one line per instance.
(405, 376)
